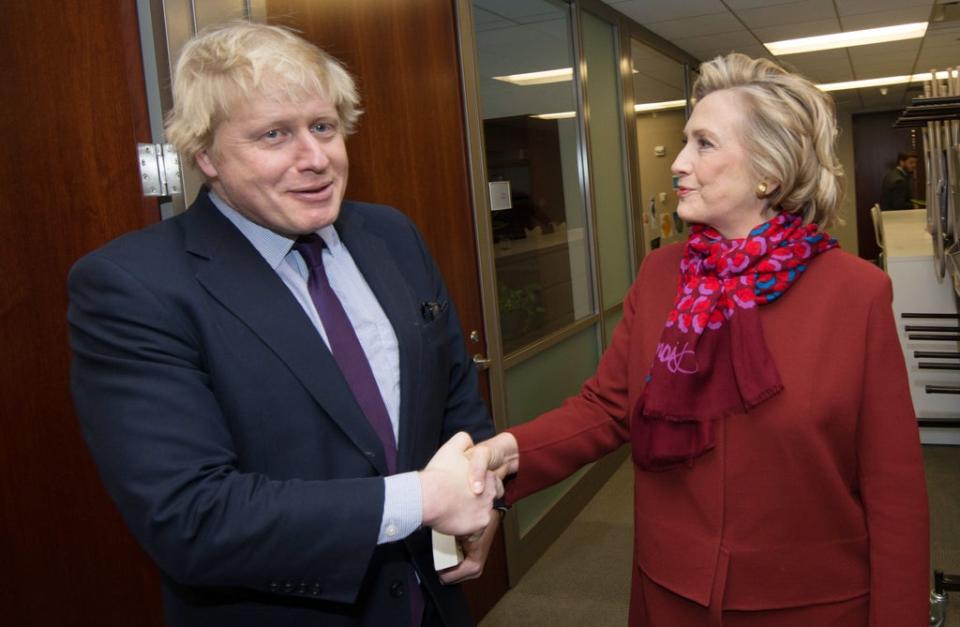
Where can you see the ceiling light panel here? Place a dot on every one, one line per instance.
(880, 82)
(659, 106)
(555, 116)
(543, 77)
(848, 39)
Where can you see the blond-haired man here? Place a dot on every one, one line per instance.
(261, 378)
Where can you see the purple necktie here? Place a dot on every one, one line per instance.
(346, 348)
(353, 363)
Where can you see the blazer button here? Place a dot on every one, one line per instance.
(303, 588)
(287, 586)
(274, 586)
(315, 590)
(397, 590)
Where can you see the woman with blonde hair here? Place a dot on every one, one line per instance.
(778, 473)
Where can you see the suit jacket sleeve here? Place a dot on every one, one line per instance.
(891, 478)
(163, 446)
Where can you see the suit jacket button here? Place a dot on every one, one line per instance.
(274, 586)
(315, 590)
(397, 590)
(287, 586)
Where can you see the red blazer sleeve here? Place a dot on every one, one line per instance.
(891, 476)
(587, 426)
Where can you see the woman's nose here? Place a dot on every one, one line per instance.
(681, 165)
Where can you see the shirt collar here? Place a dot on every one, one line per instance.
(273, 247)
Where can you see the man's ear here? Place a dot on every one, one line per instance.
(205, 163)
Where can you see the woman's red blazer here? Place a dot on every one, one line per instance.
(815, 496)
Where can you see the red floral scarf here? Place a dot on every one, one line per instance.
(712, 359)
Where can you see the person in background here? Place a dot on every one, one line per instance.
(778, 471)
(265, 380)
(895, 192)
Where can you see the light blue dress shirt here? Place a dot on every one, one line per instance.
(402, 502)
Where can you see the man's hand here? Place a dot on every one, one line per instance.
(500, 455)
(458, 493)
(475, 553)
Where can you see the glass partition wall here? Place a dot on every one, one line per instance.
(551, 126)
(659, 88)
(532, 139)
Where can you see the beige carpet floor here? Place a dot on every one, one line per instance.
(584, 578)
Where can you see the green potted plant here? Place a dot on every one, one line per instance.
(521, 308)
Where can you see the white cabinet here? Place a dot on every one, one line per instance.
(916, 291)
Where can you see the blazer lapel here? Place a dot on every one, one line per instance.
(237, 276)
(379, 268)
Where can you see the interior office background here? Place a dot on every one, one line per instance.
(537, 272)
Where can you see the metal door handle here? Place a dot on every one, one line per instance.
(481, 362)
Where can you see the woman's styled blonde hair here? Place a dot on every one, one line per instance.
(226, 65)
(791, 132)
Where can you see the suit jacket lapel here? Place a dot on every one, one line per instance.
(379, 268)
(237, 276)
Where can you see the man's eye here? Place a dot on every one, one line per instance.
(272, 134)
(324, 128)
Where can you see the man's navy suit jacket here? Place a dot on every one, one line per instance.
(228, 438)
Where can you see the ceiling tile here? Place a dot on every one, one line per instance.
(825, 66)
(852, 7)
(655, 72)
(895, 98)
(937, 58)
(794, 30)
(485, 20)
(707, 28)
(737, 5)
(896, 52)
(519, 11)
(943, 37)
(780, 14)
(877, 19)
(820, 57)
(650, 11)
(719, 43)
(707, 53)
(696, 26)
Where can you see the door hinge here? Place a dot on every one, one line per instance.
(160, 170)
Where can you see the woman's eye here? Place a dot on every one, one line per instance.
(704, 143)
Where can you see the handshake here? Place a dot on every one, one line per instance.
(462, 480)
(458, 487)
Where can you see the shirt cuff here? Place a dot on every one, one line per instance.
(402, 507)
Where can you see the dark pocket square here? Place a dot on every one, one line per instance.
(431, 310)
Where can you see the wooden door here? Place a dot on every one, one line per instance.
(410, 150)
(72, 111)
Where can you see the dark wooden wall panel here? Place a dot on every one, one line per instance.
(72, 111)
(875, 147)
(410, 150)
